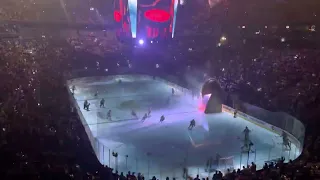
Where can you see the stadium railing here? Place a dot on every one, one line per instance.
(274, 154)
(91, 137)
(279, 120)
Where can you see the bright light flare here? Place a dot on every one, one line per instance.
(204, 102)
(202, 107)
(223, 38)
(141, 42)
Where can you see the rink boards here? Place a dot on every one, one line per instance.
(91, 130)
(264, 125)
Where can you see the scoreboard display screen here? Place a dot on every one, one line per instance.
(145, 19)
(121, 17)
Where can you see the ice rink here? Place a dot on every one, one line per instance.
(164, 149)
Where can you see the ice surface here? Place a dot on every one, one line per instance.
(163, 149)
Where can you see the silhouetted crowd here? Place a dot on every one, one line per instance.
(41, 138)
(54, 11)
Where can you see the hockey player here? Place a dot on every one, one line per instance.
(172, 91)
(162, 118)
(145, 116)
(192, 124)
(86, 105)
(109, 115)
(73, 88)
(246, 141)
(284, 137)
(102, 101)
(133, 113)
(235, 113)
(246, 132)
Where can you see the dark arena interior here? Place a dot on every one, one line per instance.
(206, 76)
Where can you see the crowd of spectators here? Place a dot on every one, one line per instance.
(94, 42)
(31, 10)
(53, 11)
(41, 138)
(292, 72)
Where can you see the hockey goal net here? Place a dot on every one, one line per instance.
(226, 163)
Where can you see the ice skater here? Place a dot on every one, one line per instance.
(246, 133)
(134, 114)
(285, 141)
(172, 91)
(73, 88)
(109, 115)
(247, 143)
(162, 118)
(102, 101)
(145, 116)
(192, 124)
(235, 113)
(86, 105)
(96, 94)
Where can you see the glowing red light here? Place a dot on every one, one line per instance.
(202, 107)
(117, 16)
(157, 15)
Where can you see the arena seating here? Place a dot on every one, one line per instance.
(40, 138)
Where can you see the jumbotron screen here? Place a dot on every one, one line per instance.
(145, 19)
